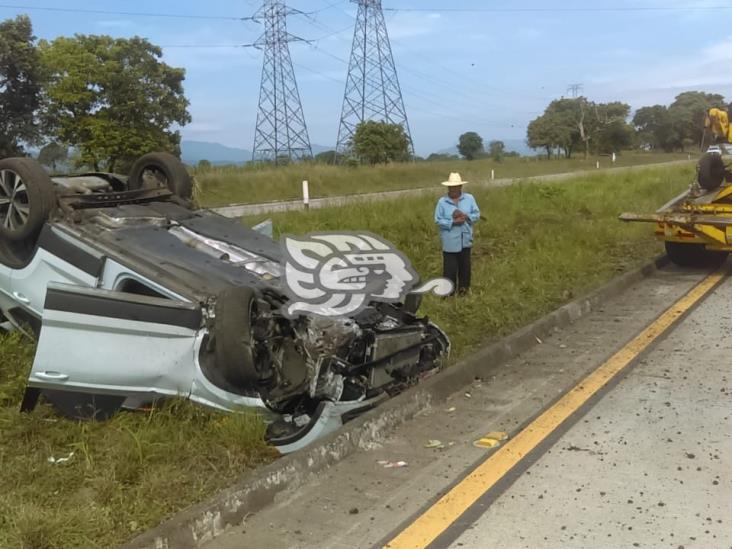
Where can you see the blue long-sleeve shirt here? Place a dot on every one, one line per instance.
(456, 237)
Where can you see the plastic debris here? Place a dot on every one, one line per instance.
(451, 410)
(392, 464)
(57, 461)
(435, 444)
(491, 440)
(468, 395)
(539, 341)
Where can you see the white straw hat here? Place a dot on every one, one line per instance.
(454, 181)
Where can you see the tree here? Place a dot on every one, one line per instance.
(655, 128)
(568, 123)
(380, 142)
(557, 128)
(328, 157)
(470, 145)
(613, 133)
(52, 154)
(540, 135)
(496, 150)
(437, 157)
(20, 86)
(203, 165)
(112, 99)
(687, 114)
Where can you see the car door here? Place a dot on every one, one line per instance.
(115, 343)
(58, 259)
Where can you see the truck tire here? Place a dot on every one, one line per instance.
(694, 255)
(165, 170)
(710, 171)
(27, 199)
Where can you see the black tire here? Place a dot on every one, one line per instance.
(164, 170)
(233, 342)
(27, 199)
(694, 255)
(84, 406)
(710, 171)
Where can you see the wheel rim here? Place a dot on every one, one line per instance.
(14, 201)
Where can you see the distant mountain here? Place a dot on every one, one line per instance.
(193, 152)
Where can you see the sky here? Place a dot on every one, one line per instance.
(488, 71)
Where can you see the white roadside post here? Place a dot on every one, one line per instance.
(305, 195)
(614, 158)
(598, 164)
(493, 175)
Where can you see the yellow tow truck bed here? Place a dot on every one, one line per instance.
(695, 226)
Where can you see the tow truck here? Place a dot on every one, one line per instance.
(696, 226)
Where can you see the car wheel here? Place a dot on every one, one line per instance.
(161, 170)
(84, 406)
(233, 342)
(27, 199)
(694, 255)
(710, 171)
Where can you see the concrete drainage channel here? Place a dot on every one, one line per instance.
(202, 523)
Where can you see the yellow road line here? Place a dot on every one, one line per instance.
(428, 526)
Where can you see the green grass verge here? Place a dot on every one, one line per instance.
(125, 476)
(540, 246)
(254, 184)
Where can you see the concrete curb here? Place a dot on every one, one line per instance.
(203, 522)
(241, 210)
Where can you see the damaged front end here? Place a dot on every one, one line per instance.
(312, 366)
(308, 366)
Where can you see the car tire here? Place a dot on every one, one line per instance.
(710, 171)
(168, 170)
(233, 342)
(27, 199)
(694, 255)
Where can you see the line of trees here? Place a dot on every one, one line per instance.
(570, 125)
(109, 99)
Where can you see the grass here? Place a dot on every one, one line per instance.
(539, 246)
(253, 184)
(125, 476)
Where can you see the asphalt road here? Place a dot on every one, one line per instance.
(644, 461)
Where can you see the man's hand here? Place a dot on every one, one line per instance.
(459, 217)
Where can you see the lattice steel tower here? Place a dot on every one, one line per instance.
(281, 130)
(372, 86)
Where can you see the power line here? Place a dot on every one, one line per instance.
(205, 46)
(125, 13)
(562, 9)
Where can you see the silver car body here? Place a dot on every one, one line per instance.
(123, 295)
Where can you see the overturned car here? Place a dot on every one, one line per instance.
(134, 296)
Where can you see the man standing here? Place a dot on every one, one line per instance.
(455, 215)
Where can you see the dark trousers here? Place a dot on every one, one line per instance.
(456, 267)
